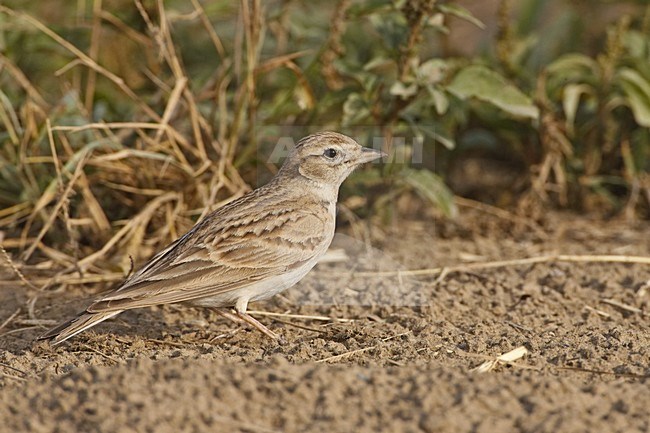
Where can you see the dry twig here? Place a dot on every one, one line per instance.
(299, 316)
(506, 358)
(357, 351)
(622, 306)
(551, 258)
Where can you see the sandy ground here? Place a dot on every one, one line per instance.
(400, 359)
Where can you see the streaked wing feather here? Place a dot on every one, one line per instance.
(182, 288)
(208, 264)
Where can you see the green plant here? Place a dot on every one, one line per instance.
(123, 125)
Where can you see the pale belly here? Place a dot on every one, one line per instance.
(269, 287)
(259, 290)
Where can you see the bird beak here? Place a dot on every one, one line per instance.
(369, 154)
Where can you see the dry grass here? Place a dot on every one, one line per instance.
(87, 202)
(82, 200)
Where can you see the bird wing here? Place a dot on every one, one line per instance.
(217, 257)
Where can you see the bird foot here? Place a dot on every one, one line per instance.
(246, 318)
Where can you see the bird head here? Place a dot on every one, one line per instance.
(328, 158)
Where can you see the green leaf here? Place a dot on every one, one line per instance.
(400, 89)
(355, 110)
(479, 82)
(462, 13)
(445, 140)
(637, 90)
(392, 29)
(440, 100)
(432, 71)
(578, 64)
(430, 186)
(437, 21)
(378, 63)
(636, 43)
(570, 101)
(434, 131)
(441, 135)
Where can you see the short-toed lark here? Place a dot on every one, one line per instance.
(248, 250)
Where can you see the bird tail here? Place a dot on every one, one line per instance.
(73, 327)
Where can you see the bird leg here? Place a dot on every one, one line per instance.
(239, 317)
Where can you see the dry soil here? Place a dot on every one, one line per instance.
(391, 353)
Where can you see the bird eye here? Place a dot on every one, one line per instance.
(330, 153)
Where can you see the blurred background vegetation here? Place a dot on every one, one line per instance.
(122, 122)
